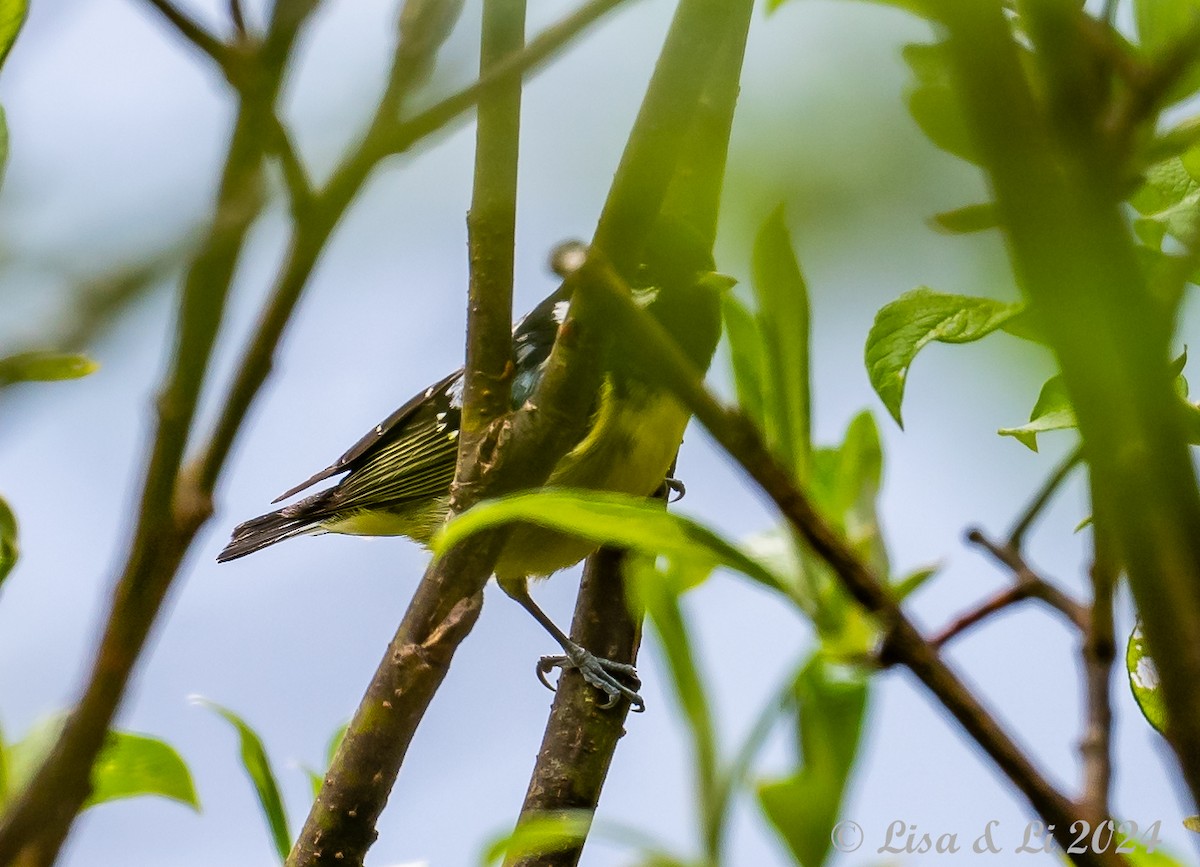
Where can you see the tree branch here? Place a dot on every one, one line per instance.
(193, 32)
(903, 642)
(491, 244)
(1099, 653)
(580, 739)
(1033, 585)
(172, 509)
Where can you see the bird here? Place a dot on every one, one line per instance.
(396, 479)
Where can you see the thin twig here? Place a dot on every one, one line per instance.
(1099, 654)
(174, 503)
(193, 32)
(491, 244)
(1017, 535)
(295, 175)
(1033, 585)
(540, 49)
(741, 439)
(172, 510)
(238, 17)
(1002, 600)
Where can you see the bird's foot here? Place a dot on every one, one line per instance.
(673, 486)
(599, 672)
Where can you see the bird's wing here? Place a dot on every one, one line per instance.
(400, 426)
(413, 437)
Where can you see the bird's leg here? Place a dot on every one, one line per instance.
(599, 672)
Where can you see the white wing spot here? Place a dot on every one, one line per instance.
(455, 391)
(645, 297)
(429, 391)
(441, 416)
(453, 435)
(561, 309)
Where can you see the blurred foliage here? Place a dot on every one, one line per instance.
(258, 767)
(130, 765)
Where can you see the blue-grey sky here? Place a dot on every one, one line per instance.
(117, 131)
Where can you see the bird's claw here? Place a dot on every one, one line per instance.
(600, 673)
(676, 487)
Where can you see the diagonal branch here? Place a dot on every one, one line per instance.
(193, 32)
(904, 643)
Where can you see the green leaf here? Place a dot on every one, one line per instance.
(1169, 202)
(618, 520)
(258, 767)
(8, 540)
(315, 779)
(804, 807)
(746, 358)
(43, 366)
(784, 323)
(129, 765)
(932, 101)
(12, 16)
(1144, 681)
(968, 219)
(540, 835)
(658, 593)
(845, 489)
(913, 581)
(1053, 411)
(906, 325)
(132, 764)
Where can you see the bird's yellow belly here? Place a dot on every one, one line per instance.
(629, 451)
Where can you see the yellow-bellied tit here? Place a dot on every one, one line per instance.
(397, 477)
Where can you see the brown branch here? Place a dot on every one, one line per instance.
(1033, 585)
(580, 738)
(740, 438)
(174, 503)
(172, 509)
(1034, 510)
(1002, 600)
(1099, 653)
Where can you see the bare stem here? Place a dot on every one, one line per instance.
(1032, 585)
(1099, 654)
(1017, 535)
(193, 32)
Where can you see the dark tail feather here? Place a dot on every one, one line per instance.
(258, 533)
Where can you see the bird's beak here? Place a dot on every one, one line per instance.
(718, 281)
